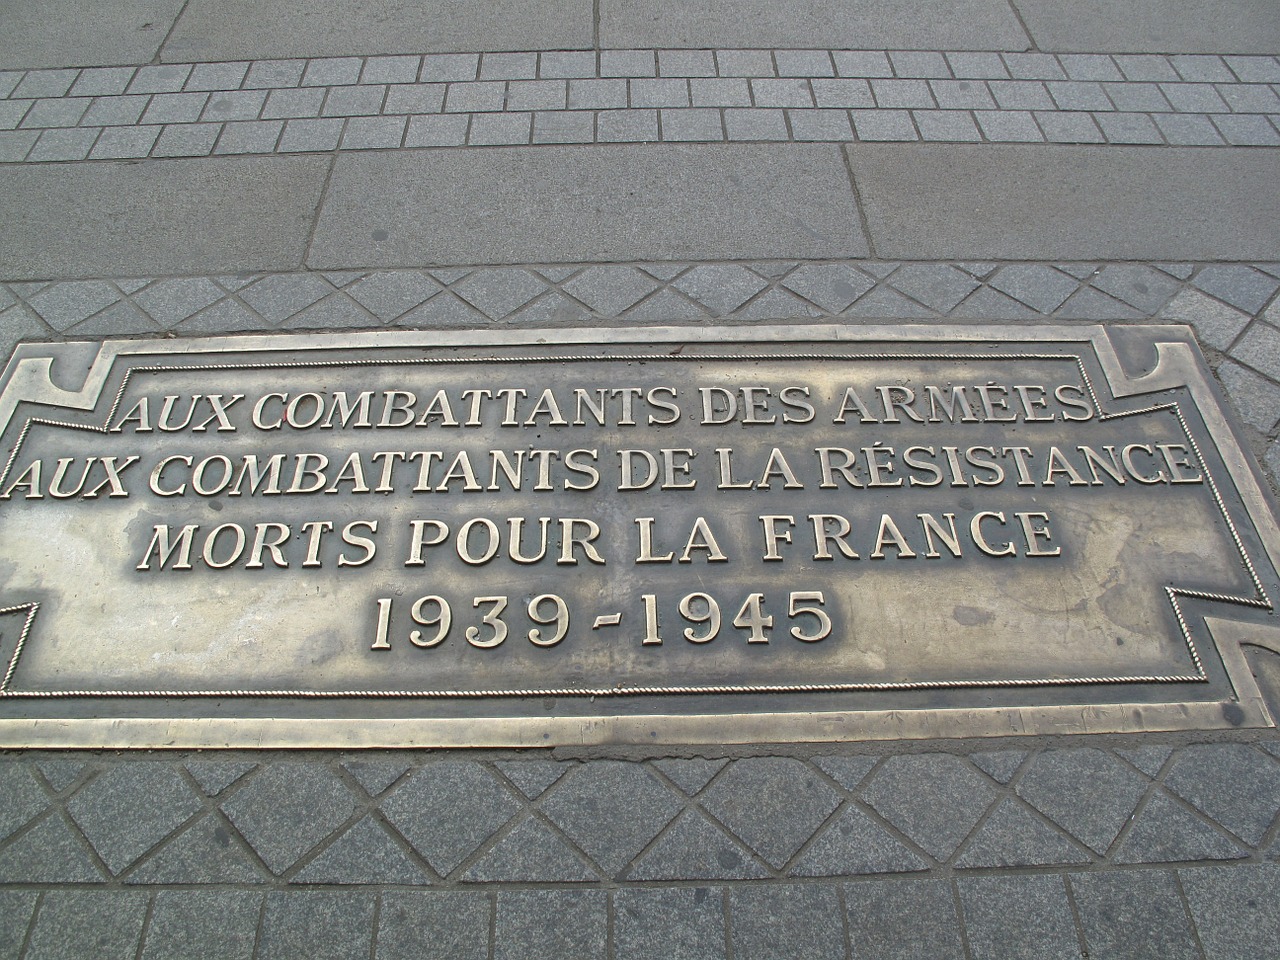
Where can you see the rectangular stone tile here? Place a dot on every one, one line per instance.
(1068, 202)
(103, 924)
(1154, 26)
(786, 922)
(235, 29)
(316, 923)
(662, 924)
(55, 33)
(1131, 914)
(557, 923)
(903, 920)
(1236, 910)
(110, 219)
(210, 924)
(560, 204)
(813, 24)
(422, 925)
(1024, 916)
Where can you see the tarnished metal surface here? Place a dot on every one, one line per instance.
(597, 536)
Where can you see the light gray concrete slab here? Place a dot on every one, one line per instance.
(1068, 202)
(61, 33)
(814, 24)
(252, 29)
(603, 203)
(1152, 26)
(158, 217)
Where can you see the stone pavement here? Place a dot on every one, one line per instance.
(187, 168)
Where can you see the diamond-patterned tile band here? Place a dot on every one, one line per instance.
(1233, 307)
(558, 97)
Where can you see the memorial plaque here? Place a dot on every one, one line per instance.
(509, 537)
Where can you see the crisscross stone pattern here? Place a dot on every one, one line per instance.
(611, 96)
(1233, 308)
(246, 854)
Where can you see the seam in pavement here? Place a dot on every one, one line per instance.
(319, 208)
(1032, 45)
(169, 33)
(857, 203)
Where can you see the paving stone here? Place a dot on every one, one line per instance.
(16, 908)
(653, 92)
(65, 112)
(900, 94)
(566, 64)
(855, 844)
(373, 133)
(411, 98)
(129, 808)
(317, 924)
(175, 108)
(366, 853)
(1143, 67)
(937, 286)
(418, 925)
(55, 145)
(1238, 285)
(842, 93)
(692, 774)
(1090, 67)
(1136, 97)
(1249, 98)
(103, 924)
(935, 799)
(1009, 126)
(211, 924)
(1021, 95)
(361, 101)
(293, 103)
(903, 920)
(786, 921)
(60, 774)
(437, 68)
(1235, 909)
(1202, 68)
(45, 83)
(1149, 760)
(499, 292)
(449, 131)
(610, 290)
(99, 81)
(1139, 286)
(529, 925)
(389, 294)
(326, 71)
(115, 111)
(288, 808)
(697, 125)
(393, 69)
(225, 317)
(23, 798)
(719, 92)
(1255, 399)
(217, 76)
(627, 63)
(493, 129)
(1133, 914)
(999, 764)
(1013, 837)
(693, 849)
(274, 73)
(755, 125)
(1131, 128)
(803, 63)
(282, 295)
(1260, 349)
(1182, 131)
(946, 125)
(64, 304)
(310, 136)
(627, 126)
(531, 853)
(1085, 791)
(187, 140)
(884, 125)
(1164, 832)
(447, 809)
(16, 144)
(961, 95)
(936, 201)
(1029, 911)
(1038, 286)
(1193, 97)
(885, 303)
(611, 810)
(259, 136)
(721, 288)
(169, 302)
(816, 125)
(164, 78)
(1236, 785)
(1255, 69)
(690, 63)
(206, 852)
(684, 923)
(745, 63)
(48, 853)
(781, 92)
(445, 309)
(124, 143)
(537, 95)
(335, 311)
(847, 771)
(1216, 324)
(1247, 131)
(533, 777)
(121, 319)
(597, 94)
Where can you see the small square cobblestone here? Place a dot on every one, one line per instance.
(884, 125)
(507, 66)
(627, 63)
(253, 136)
(274, 73)
(845, 93)
(686, 63)
(448, 67)
(781, 92)
(682, 923)
(566, 64)
(755, 125)
(101, 81)
(952, 126)
(862, 63)
(564, 126)
(692, 125)
(217, 76)
(744, 63)
(803, 63)
(396, 69)
(530, 924)
(820, 125)
(1009, 126)
(437, 131)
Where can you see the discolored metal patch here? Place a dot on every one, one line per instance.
(607, 536)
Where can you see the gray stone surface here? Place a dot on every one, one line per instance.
(1158, 26)
(903, 920)
(58, 33)
(684, 923)
(1133, 915)
(16, 908)
(1027, 917)
(621, 203)
(110, 218)
(316, 924)
(210, 924)
(1087, 792)
(1236, 911)
(843, 24)
(935, 799)
(103, 924)
(247, 29)
(421, 925)
(529, 925)
(786, 922)
(939, 201)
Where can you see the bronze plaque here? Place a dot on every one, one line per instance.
(510, 537)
